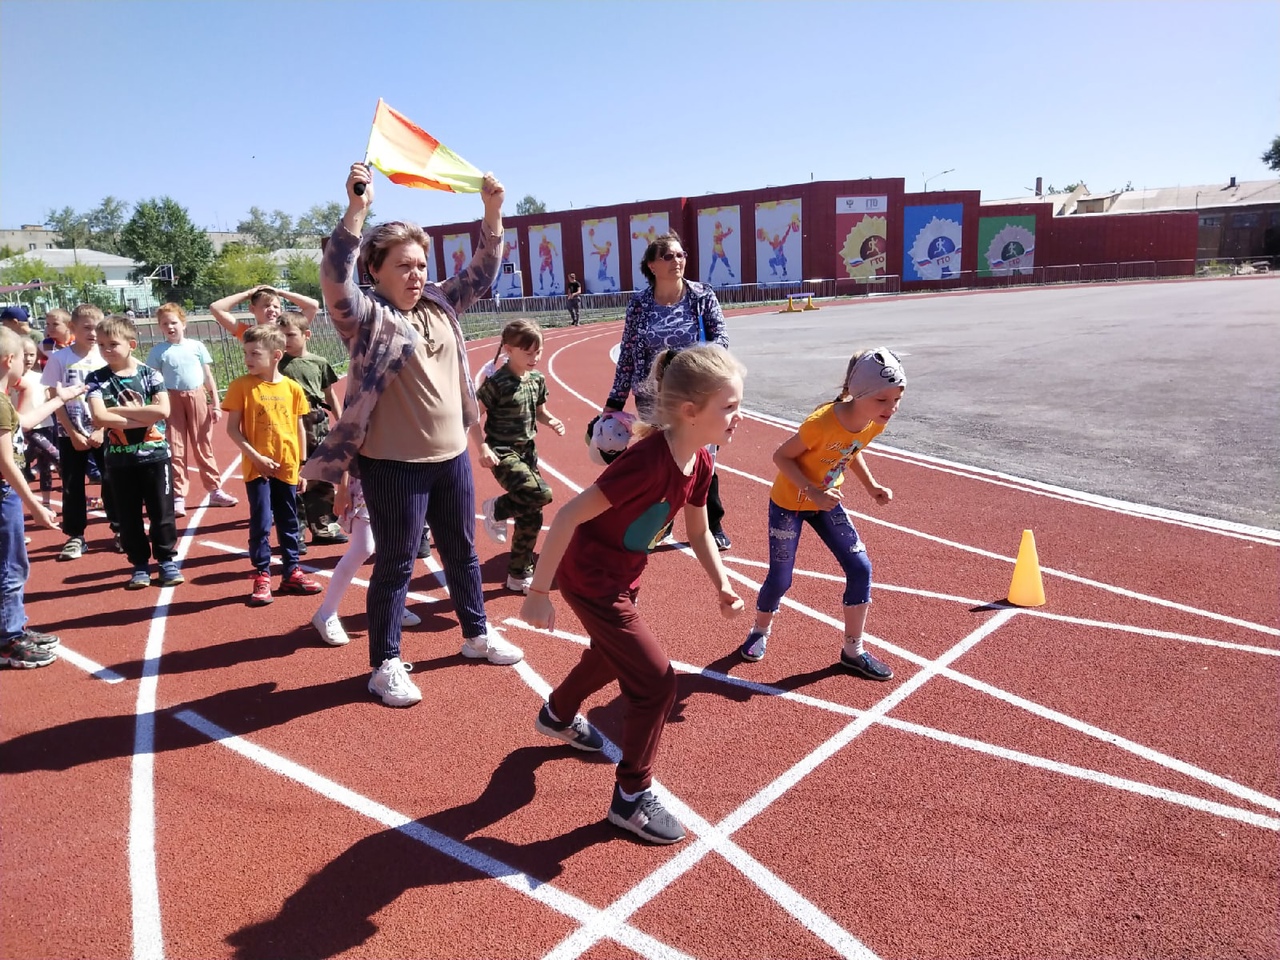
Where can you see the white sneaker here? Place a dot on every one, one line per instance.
(495, 528)
(493, 648)
(519, 584)
(408, 618)
(220, 498)
(330, 630)
(179, 507)
(391, 682)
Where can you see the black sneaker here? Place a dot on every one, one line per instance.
(645, 817)
(18, 653)
(723, 543)
(46, 641)
(865, 665)
(424, 545)
(578, 732)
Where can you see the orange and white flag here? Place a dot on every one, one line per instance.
(411, 157)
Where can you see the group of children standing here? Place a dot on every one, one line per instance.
(597, 547)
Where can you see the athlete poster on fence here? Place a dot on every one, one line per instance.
(720, 245)
(546, 259)
(600, 252)
(645, 228)
(931, 242)
(778, 242)
(862, 237)
(457, 253)
(1006, 245)
(508, 282)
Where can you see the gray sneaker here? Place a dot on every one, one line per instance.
(645, 817)
(73, 549)
(753, 647)
(577, 733)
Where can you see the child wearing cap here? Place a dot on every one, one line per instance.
(811, 468)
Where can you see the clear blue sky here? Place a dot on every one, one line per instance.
(232, 104)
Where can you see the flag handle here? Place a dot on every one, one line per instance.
(359, 187)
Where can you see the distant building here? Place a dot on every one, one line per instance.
(117, 273)
(1238, 220)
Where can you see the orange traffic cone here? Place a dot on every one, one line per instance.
(1027, 589)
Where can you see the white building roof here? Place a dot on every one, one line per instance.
(57, 259)
(1198, 197)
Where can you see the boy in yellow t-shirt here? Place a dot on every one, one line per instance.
(264, 419)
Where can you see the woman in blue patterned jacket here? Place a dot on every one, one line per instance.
(671, 313)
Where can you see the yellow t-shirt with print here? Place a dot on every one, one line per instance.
(829, 448)
(269, 415)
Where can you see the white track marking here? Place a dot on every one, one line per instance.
(1145, 511)
(144, 885)
(509, 876)
(969, 602)
(95, 670)
(581, 940)
(1074, 578)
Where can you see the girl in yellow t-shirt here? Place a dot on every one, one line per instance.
(811, 469)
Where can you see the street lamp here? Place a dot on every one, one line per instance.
(934, 177)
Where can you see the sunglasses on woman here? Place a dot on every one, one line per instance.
(671, 255)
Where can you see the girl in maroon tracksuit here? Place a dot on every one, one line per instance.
(599, 544)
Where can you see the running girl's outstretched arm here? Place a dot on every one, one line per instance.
(704, 548)
(537, 610)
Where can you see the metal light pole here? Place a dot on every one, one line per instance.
(935, 177)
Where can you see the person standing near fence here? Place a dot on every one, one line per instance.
(403, 433)
(574, 290)
(194, 407)
(670, 313)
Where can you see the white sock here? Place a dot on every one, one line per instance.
(853, 647)
(552, 714)
(629, 797)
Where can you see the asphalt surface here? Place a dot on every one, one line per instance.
(1166, 394)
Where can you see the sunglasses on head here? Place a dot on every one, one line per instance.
(671, 255)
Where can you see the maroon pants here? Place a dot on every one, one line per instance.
(623, 649)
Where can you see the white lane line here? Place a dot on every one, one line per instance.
(1241, 531)
(771, 885)
(505, 874)
(953, 739)
(620, 910)
(95, 670)
(1110, 588)
(1026, 611)
(144, 884)
(1047, 713)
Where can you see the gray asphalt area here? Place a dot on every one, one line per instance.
(1166, 394)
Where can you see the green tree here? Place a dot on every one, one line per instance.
(160, 233)
(72, 227)
(530, 204)
(269, 232)
(1272, 157)
(25, 270)
(237, 268)
(318, 222)
(303, 275)
(98, 229)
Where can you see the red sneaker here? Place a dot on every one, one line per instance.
(299, 582)
(261, 595)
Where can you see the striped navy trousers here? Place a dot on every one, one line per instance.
(400, 497)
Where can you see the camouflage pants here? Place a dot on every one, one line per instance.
(527, 493)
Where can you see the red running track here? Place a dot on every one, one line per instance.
(1094, 778)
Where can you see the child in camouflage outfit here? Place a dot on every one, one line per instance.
(513, 400)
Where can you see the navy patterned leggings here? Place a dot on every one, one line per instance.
(836, 531)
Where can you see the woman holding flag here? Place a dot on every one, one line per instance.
(410, 404)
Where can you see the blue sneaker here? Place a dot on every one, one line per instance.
(170, 575)
(753, 648)
(139, 580)
(865, 665)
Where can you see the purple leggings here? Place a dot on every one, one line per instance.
(835, 530)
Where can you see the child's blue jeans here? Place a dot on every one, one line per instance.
(13, 564)
(836, 531)
(271, 498)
